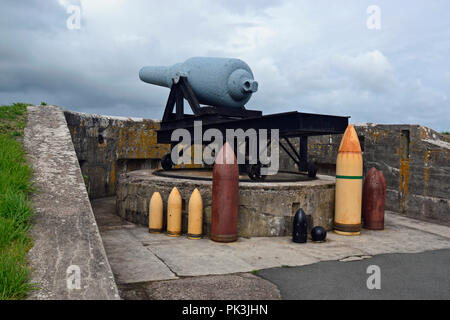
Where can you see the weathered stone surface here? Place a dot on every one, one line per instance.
(242, 286)
(126, 247)
(64, 229)
(415, 161)
(199, 258)
(130, 261)
(107, 146)
(265, 209)
(106, 220)
(133, 291)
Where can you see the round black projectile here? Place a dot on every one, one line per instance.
(299, 232)
(318, 234)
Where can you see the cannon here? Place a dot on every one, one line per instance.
(223, 86)
(224, 82)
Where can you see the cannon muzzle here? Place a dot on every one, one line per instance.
(224, 82)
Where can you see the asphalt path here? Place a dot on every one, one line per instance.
(401, 276)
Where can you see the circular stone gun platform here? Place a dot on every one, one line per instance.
(265, 208)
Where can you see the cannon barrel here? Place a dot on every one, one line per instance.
(225, 82)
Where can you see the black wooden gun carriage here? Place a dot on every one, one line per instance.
(290, 125)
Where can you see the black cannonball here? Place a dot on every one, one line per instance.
(318, 234)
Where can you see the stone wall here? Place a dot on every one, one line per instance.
(108, 146)
(64, 232)
(415, 161)
(265, 209)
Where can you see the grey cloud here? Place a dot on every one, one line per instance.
(242, 7)
(306, 56)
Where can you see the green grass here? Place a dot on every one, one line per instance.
(13, 119)
(15, 207)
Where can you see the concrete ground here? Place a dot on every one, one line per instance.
(154, 266)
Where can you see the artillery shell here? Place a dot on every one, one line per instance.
(155, 214)
(349, 170)
(225, 196)
(174, 213)
(195, 215)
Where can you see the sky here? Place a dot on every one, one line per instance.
(308, 56)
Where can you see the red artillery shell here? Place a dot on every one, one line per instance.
(374, 199)
(225, 196)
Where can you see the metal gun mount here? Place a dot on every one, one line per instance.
(234, 116)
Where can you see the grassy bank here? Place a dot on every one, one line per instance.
(15, 208)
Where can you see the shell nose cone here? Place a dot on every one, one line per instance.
(350, 141)
(226, 155)
(196, 192)
(174, 194)
(156, 197)
(196, 196)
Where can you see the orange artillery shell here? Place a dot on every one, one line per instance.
(225, 196)
(374, 199)
(174, 213)
(349, 169)
(195, 216)
(155, 214)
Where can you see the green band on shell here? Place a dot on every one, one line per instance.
(349, 177)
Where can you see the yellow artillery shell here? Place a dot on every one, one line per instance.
(195, 217)
(174, 213)
(155, 214)
(349, 171)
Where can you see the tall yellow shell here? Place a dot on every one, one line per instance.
(349, 180)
